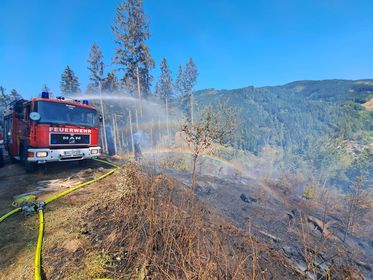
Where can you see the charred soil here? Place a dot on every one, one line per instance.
(145, 224)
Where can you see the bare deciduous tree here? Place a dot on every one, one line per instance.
(214, 126)
(357, 200)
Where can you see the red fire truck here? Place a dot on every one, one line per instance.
(44, 130)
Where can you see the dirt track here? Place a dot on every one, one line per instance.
(15, 181)
(18, 233)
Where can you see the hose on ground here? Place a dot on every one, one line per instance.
(10, 213)
(48, 200)
(37, 262)
(37, 275)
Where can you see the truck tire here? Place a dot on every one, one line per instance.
(1, 158)
(12, 159)
(29, 166)
(83, 162)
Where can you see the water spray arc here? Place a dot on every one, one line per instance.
(155, 128)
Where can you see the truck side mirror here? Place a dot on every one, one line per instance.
(35, 116)
(100, 118)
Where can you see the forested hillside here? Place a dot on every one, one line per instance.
(316, 123)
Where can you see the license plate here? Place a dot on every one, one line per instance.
(71, 153)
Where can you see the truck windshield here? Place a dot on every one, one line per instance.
(61, 113)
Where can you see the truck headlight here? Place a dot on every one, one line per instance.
(41, 154)
(94, 151)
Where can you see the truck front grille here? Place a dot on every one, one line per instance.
(57, 139)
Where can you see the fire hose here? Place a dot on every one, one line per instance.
(40, 207)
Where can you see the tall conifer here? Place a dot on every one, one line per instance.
(164, 87)
(185, 83)
(132, 54)
(96, 66)
(69, 82)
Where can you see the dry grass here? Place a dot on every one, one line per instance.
(154, 229)
(133, 225)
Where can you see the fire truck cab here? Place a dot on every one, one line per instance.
(43, 130)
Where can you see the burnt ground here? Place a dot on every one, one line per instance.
(290, 224)
(88, 236)
(273, 216)
(76, 228)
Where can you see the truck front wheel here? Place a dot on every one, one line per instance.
(29, 166)
(1, 158)
(12, 159)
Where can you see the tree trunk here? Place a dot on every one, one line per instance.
(139, 89)
(105, 146)
(137, 120)
(167, 124)
(131, 131)
(114, 136)
(349, 219)
(194, 173)
(191, 108)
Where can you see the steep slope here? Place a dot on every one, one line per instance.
(309, 120)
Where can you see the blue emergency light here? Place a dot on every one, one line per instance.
(45, 94)
(85, 102)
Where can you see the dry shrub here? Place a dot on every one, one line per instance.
(157, 229)
(309, 191)
(282, 184)
(180, 163)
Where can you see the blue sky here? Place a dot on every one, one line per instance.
(235, 43)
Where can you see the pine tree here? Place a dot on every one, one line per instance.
(45, 88)
(96, 66)
(190, 76)
(164, 87)
(14, 95)
(110, 83)
(132, 55)
(179, 83)
(69, 82)
(6, 99)
(186, 82)
(3, 99)
(3, 96)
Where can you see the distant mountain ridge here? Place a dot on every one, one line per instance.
(326, 88)
(300, 116)
(332, 103)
